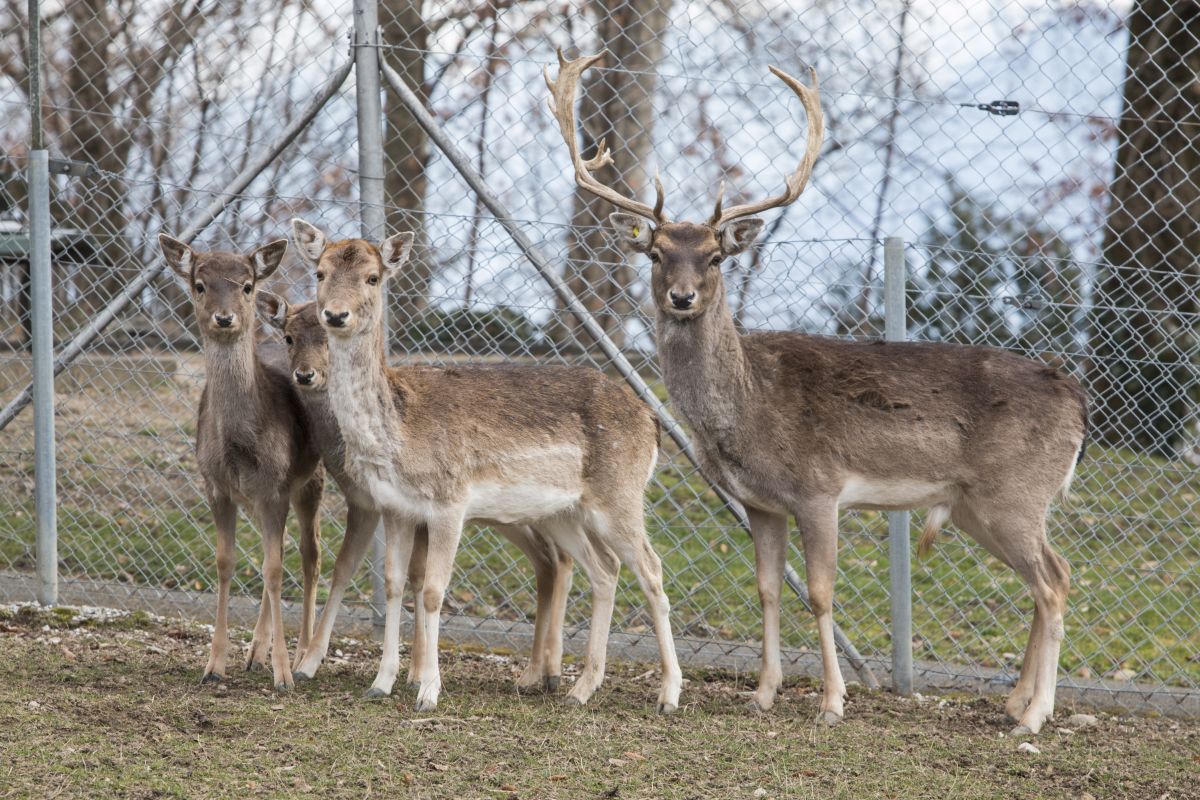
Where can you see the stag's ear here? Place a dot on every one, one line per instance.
(268, 258)
(395, 251)
(632, 231)
(273, 308)
(739, 234)
(310, 242)
(180, 257)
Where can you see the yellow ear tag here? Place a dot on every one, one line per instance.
(635, 230)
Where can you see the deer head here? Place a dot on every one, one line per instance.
(222, 285)
(350, 276)
(685, 257)
(305, 337)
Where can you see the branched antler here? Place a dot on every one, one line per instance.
(795, 183)
(562, 106)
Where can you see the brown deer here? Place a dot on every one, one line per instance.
(563, 449)
(252, 445)
(803, 425)
(308, 354)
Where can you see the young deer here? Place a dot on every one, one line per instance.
(252, 445)
(308, 354)
(804, 425)
(563, 449)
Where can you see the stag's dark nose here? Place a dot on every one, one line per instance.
(305, 378)
(682, 301)
(336, 320)
(223, 320)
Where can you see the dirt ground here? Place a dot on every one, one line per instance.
(112, 707)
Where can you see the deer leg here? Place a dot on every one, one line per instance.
(307, 502)
(818, 527)
(398, 547)
(770, 551)
(564, 566)
(444, 533)
(360, 526)
(260, 640)
(273, 518)
(1022, 693)
(416, 579)
(639, 556)
(602, 568)
(533, 677)
(1049, 578)
(224, 512)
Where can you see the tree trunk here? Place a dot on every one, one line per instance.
(406, 154)
(1143, 370)
(617, 107)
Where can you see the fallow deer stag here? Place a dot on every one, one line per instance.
(802, 425)
(565, 450)
(308, 355)
(252, 445)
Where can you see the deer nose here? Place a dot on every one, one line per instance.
(337, 320)
(223, 320)
(305, 378)
(682, 301)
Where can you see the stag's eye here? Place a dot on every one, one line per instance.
(320, 276)
(373, 280)
(715, 262)
(247, 288)
(199, 287)
(289, 341)
(654, 258)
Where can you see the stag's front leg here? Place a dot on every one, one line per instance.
(273, 516)
(444, 533)
(818, 527)
(398, 546)
(224, 512)
(770, 551)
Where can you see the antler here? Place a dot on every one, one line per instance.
(562, 106)
(795, 182)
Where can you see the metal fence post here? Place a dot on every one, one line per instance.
(41, 300)
(370, 197)
(895, 325)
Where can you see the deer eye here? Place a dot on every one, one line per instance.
(247, 288)
(374, 279)
(654, 257)
(289, 341)
(716, 261)
(320, 276)
(199, 287)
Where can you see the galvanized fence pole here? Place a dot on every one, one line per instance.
(610, 349)
(42, 323)
(895, 325)
(370, 198)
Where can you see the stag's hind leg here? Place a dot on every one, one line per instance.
(1019, 540)
(307, 502)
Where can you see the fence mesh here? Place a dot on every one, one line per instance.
(1064, 231)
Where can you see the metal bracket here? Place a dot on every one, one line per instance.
(1027, 301)
(76, 169)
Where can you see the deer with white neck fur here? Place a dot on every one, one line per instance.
(252, 445)
(801, 425)
(308, 356)
(565, 450)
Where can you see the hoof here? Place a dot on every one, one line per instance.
(529, 689)
(375, 693)
(572, 700)
(755, 707)
(550, 683)
(424, 706)
(828, 718)
(666, 708)
(211, 677)
(414, 685)
(301, 677)
(255, 666)
(1020, 731)
(284, 686)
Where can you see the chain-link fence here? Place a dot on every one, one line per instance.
(1039, 159)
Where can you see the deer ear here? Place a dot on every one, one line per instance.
(395, 251)
(632, 231)
(739, 234)
(310, 242)
(273, 308)
(180, 257)
(268, 258)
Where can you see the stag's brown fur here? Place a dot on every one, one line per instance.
(308, 357)
(253, 445)
(564, 449)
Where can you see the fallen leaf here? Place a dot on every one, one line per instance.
(634, 756)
